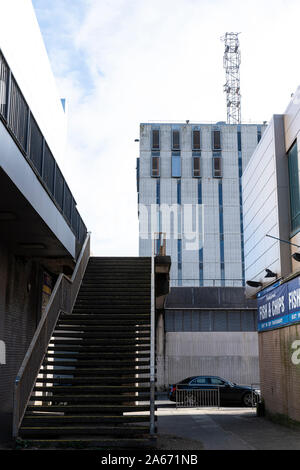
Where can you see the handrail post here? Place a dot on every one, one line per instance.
(152, 342)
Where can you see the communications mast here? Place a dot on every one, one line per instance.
(232, 61)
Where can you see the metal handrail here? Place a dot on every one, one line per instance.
(62, 298)
(152, 344)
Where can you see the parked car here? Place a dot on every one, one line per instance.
(230, 393)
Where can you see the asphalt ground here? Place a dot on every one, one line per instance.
(221, 429)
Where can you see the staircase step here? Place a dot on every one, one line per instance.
(72, 345)
(104, 371)
(96, 363)
(88, 318)
(147, 442)
(98, 335)
(85, 399)
(81, 430)
(93, 380)
(125, 310)
(91, 389)
(124, 350)
(54, 420)
(103, 409)
(100, 341)
(109, 328)
(93, 355)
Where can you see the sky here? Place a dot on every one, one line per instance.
(122, 62)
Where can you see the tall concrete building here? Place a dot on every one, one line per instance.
(190, 188)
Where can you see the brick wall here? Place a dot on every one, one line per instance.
(279, 377)
(20, 293)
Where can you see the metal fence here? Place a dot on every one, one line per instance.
(20, 122)
(200, 398)
(255, 394)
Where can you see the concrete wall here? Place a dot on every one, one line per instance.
(20, 309)
(279, 374)
(232, 355)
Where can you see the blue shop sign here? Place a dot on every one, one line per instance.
(280, 306)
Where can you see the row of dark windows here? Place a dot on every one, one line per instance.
(21, 123)
(196, 168)
(175, 140)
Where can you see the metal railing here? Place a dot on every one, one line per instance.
(19, 121)
(152, 344)
(62, 298)
(199, 398)
(255, 389)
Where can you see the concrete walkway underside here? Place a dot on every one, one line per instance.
(222, 429)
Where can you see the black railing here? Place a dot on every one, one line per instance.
(20, 122)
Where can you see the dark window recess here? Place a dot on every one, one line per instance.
(155, 167)
(36, 145)
(196, 140)
(216, 140)
(176, 140)
(18, 115)
(258, 134)
(75, 220)
(48, 170)
(196, 167)
(155, 139)
(217, 167)
(81, 231)
(59, 187)
(294, 188)
(3, 85)
(239, 137)
(68, 202)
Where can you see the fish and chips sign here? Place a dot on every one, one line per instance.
(279, 306)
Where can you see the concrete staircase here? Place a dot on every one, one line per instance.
(93, 389)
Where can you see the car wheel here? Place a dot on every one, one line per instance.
(247, 399)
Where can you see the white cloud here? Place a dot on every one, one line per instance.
(123, 62)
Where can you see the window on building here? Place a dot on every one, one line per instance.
(196, 139)
(294, 188)
(216, 140)
(155, 167)
(175, 140)
(217, 166)
(176, 166)
(196, 167)
(155, 139)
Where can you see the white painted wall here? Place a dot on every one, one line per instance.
(260, 211)
(22, 44)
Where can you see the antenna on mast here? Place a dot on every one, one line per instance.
(232, 61)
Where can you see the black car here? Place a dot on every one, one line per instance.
(230, 393)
